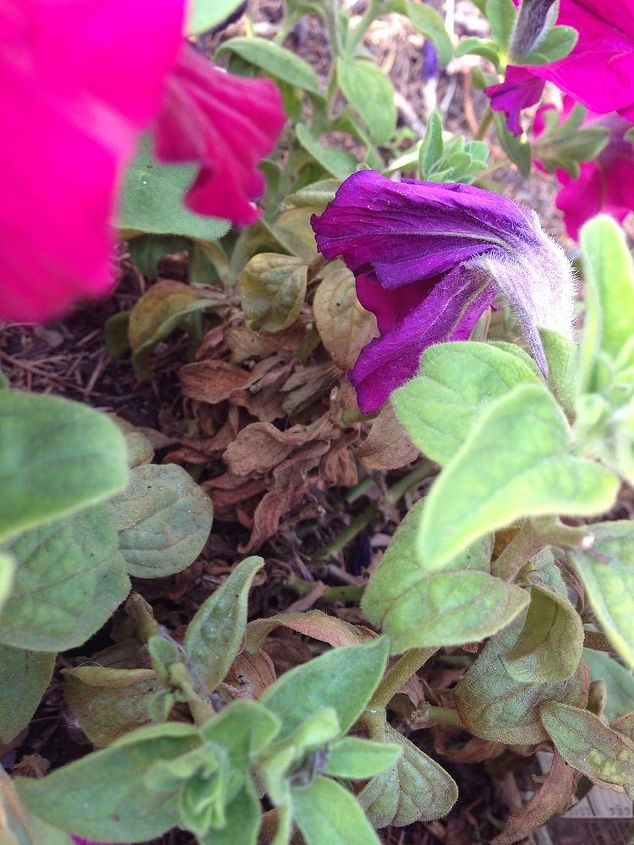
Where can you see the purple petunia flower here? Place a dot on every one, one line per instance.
(429, 259)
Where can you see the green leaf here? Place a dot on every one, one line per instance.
(501, 15)
(517, 149)
(272, 290)
(162, 309)
(107, 702)
(343, 678)
(479, 47)
(206, 14)
(431, 149)
(557, 44)
(339, 163)
(356, 758)
(18, 826)
(243, 815)
(428, 22)
(607, 572)
(215, 634)
(370, 92)
(609, 274)
(24, 677)
(516, 462)
(56, 456)
(456, 382)
(152, 199)
(316, 195)
(493, 705)
(561, 356)
(244, 729)
(417, 609)
(163, 518)
(568, 143)
(619, 683)
(7, 575)
(275, 60)
(70, 578)
(549, 646)
(327, 814)
(109, 788)
(590, 746)
(415, 789)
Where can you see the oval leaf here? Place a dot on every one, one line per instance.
(215, 634)
(206, 14)
(272, 289)
(276, 60)
(110, 786)
(163, 518)
(370, 92)
(327, 814)
(589, 745)
(24, 677)
(415, 789)
(343, 679)
(607, 572)
(70, 578)
(55, 456)
(516, 462)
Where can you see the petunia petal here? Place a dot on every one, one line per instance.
(520, 90)
(449, 312)
(414, 231)
(224, 123)
(79, 81)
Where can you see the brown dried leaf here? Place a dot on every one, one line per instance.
(387, 446)
(475, 750)
(260, 447)
(269, 512)
(344, 325)
(244, 343)
(553, 798)
(214, 381)
(251, 674)
(338, 467)
(312, 623)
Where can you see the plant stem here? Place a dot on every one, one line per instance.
(399, 674)
(356, 36)
(441, 715)
(485, 122)
(394, 493)
(347, 593)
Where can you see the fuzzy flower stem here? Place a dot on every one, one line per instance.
(406, 666)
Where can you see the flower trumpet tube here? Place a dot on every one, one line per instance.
(429, 259)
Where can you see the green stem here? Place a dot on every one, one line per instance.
(399, 674)
(505, 162)
(534, 536)
(440, 715)
(356, 36)
(485, 122)
(394, 493)
(347, 593)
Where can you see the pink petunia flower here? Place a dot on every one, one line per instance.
(79, 82)
(605, 184)
(599, 72)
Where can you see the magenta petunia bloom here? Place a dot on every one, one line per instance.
(79, 83)
(429, 258)
(605, 184)
(226, 124)
(599, 72)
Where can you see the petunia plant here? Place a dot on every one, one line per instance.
(355, 293)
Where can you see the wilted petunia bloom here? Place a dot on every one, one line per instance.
(605, 184)
(599, 72)
(79, 82)
(429, 259)
(225, 123)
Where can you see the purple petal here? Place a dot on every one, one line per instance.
(520, 89)
(449, 312)
(413, 231)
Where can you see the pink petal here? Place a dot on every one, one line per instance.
(520, 89)
(608, 189)
(224, 123)
(79, 81)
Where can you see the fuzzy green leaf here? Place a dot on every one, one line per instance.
(163, 518)
(327, 814)
(24, 677)
(619, 683)
(206, 14)
(370, 92)
(516, 462)
(70, 578)
(272, 289)
(56, 456)
(356, 758)
(275, 60)
(216, 632)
